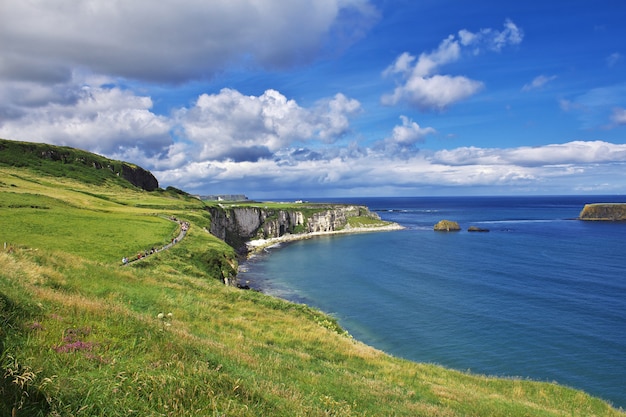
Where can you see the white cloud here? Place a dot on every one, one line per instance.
(170, 40)
(573, 166)
(91, 113)
(424, 87)
(492, 39)
(331, 117)
(577, 152)
(230, 125)
(103, 120)
(410, 132)
(404, 137)
(538, 82)
(436, 92)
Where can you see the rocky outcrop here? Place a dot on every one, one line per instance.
(604, 212)
(476, 229)
(447, 226)
(238, 224)
(139, 177)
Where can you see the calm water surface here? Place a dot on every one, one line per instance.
(540, 296)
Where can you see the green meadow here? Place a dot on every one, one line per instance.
(83, 335)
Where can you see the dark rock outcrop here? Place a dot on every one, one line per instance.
(447, 226)
(476, 229)
(139, 177)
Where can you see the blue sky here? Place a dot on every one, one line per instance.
(328, 98)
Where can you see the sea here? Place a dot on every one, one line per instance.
(540, 296)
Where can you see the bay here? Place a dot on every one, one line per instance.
(540, 296)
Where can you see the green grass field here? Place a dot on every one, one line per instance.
(81, 335)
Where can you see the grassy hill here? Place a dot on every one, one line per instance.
(82, 335)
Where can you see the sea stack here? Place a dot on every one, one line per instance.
(447, 226)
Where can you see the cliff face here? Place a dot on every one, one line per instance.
(237, 225)
(139, 177)
(604, 212)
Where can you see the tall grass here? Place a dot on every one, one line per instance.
(82, 335)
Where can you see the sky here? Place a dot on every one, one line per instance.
(327, 98)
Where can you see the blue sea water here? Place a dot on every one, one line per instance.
(541, 296)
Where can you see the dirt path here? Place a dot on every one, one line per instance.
(184, 226)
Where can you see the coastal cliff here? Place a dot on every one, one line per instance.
(238, 224)
(604, 212)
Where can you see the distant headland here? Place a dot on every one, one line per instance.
(613, 212)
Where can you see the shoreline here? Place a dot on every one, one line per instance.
(257, 245)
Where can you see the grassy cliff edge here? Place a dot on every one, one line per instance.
(82, 335)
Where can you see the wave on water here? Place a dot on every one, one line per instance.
(405, 211)
(518, 221)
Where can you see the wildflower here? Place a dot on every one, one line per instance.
(36, 326)
(165, 320)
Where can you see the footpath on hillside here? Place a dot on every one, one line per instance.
(184, 227)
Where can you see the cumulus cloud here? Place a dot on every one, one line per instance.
(170, 40)
(103, 120)
(94, 114)
(421, 83)
(538, 82)
(230, 125)
(404, 137)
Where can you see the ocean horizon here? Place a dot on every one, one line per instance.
(541, 296)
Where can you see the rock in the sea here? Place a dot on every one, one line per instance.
(604, 212)
(447, 226)
(476, 229)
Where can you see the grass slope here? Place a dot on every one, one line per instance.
(80, 335)
(62, 161)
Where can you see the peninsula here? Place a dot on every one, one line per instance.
(251, 226)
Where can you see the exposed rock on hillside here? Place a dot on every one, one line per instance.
(604, 212)
(447, 226)
(139, 177)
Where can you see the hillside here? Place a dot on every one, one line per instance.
(83, 335)
(73, 163)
